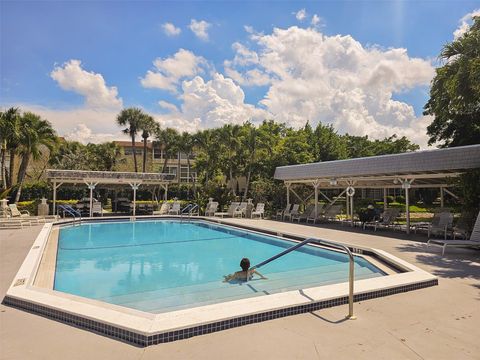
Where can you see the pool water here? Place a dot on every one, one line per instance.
(166, 265)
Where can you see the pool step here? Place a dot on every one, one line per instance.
(197, 295)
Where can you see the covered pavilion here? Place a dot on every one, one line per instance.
(420, 169)
(93, 178)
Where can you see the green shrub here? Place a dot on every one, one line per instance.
(400, 199)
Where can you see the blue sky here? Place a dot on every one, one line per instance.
(119, 41)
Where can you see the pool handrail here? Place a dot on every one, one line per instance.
(351, 275)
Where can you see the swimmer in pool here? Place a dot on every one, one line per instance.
(242, 275)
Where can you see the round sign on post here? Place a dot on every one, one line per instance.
(350, 191)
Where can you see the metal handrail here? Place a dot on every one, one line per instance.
(189, 209)
(329, 243)
(71, 211)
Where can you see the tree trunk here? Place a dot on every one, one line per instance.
(11, 169)
(21, 175)
(179, 167)
(192, 177)
(134, 153)
(4, 171)
(144, 153)
(164, 161)
(234, 190)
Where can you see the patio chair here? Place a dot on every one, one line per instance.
(387, 219)
(163, 209)
(211, 208)
(175, 209)
(280, 213)
(461, 228)
(242, 208)
(259, 211)
(312, 217)
(24, 214)
(441, 223)
(292, 212)
(474, 241)
(306, 213)
(230, 212)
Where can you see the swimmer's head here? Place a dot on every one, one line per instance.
(245, 264)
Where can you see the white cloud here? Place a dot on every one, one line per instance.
(301, 14)
(200, 29)
(168, 106)
(315, 20)
(82, 133)
(170, 29)
(334, 79)
(168, 72)
(245, 57)
(465, 23)
(71, 76)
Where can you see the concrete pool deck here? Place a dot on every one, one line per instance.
(441, 322)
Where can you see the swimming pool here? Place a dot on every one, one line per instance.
(165, 265)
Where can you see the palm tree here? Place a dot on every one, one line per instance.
(231, 143)
(168, 139)
(148, 127)
(9, 139)
(131, 117)
(250, 142)
(34, 133)
(187, 144)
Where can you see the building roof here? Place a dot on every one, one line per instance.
(138, 144)
(108, 177)
(429, 167)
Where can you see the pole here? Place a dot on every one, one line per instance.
(288, 193)
(351, 209)
(385, 205)
(54, 197)
(91, 199)
(134, 187)
(441, 197)
(408, 210)
(315, 185)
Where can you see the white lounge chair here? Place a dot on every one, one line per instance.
(312, 217)
(474, 241)
(305, 214)
(211, 208)
(175, 209)
(163, 209)
(259, 211)
(230, 212)
(441, 223)
(24, 214)
(280, 213)
(292, 212)
(241, 210)
(387, 219)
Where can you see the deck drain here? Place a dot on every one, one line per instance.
(35, 247)
(20, 282)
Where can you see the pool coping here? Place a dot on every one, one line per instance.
(144, 329)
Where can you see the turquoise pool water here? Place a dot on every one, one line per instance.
(166, 265)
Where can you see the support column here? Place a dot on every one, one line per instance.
(287, 185)
(406, 184)
(385, 205)
(91, 186)
(351, 209)
(135, 187)
(316, 184)
(55, 187)
(165, 196)
(54, 198)
(441, 197)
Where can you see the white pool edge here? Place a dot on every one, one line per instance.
(144, 328)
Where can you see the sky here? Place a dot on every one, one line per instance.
(363, 66)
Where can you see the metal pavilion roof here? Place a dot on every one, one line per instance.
(428, 168)
(108, 177)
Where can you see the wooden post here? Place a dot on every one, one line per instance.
(441, 197)
(385, 204)
(54, 197)
(288, 192)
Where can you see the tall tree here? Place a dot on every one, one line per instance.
(230, 144)
(34, 133)
(132, 118)
(187, 146)
(148, 127)
(169, 140)
(9, 134)
(455, 92)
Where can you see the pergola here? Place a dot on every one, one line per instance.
(419, 169)
(93, 178)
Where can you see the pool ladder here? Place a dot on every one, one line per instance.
(189, 210)
(71, 211)
(351, 276)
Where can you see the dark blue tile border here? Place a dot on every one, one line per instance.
(146, 340)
